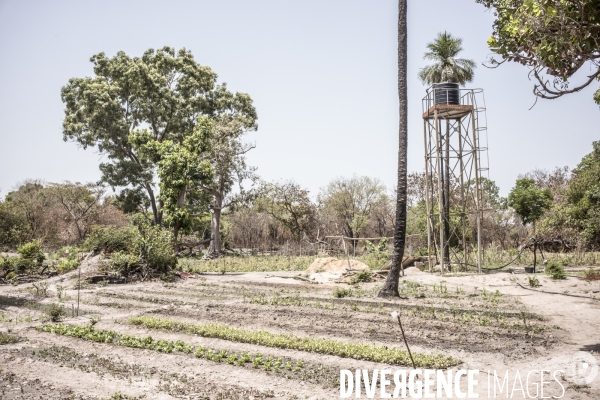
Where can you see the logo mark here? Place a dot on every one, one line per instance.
(583, 368)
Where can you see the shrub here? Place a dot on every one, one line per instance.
(21, 265)
(155, 248)
(362, 276)
(340, 293)
(5, 338)
(123, 263)
(111, 239)
(534, 282)
(67, 265)
(56, 312)
(589, 275)
(32, 251)
(555, 270)
(10, 275)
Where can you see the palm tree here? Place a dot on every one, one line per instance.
(447, 68)
(390, 287)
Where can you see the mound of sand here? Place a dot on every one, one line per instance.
(332, 264)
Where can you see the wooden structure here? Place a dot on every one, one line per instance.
(454, 163)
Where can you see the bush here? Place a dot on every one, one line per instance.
(21, 265)
(10, 275)
(111, 239)
(362, 276)
(123, 263)
(56, 312)
(534, 282)
(340, 293)
(155, 248)
(32, 251)
(67, 265)
(555, 270)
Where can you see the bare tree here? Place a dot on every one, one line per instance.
(79, 202)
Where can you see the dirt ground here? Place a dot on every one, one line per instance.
(486, 321)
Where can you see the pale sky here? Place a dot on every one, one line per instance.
(323, 76)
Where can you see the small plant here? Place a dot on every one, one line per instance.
(56, 312)
(32, 251)
(5, 338)
(39, 289)
(10, 276)
(61, 292)
(342, 292)
(94, 320)
(555, 270)
(362, 276)
(534, 282)
(588, 275)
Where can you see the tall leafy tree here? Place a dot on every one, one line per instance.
(164, 91)
(180, 168)
(583, 197)
(553, 38)
(446, 67)
(390, 287)
(530, 203)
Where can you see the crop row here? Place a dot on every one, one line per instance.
(358, 351)
(256, 361)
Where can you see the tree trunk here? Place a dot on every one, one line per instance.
(390, 287)
(155, 212)
(214, 250)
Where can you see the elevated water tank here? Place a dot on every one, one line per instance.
(446, 93)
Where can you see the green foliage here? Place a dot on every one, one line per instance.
(6, 338)
(56, 312)
(180, 167)
(154, 247)
(67, 265)
(21, 265)
(548, 36)
(112, 239)
(162, 89)
(32, 251)
(357, 351)
(10, 275)
(533, 281)
(14, 228)
(555, 270)
(584, 197)
(342, 292)
(361, 277)
(123, 263)
(529, 201)
(447, 68)
(86, 332)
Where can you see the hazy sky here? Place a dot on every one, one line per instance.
(323, 76)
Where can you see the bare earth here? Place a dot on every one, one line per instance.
(504, 328)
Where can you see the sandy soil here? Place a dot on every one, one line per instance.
(487, 321)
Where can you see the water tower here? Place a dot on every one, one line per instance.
(454, 125)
